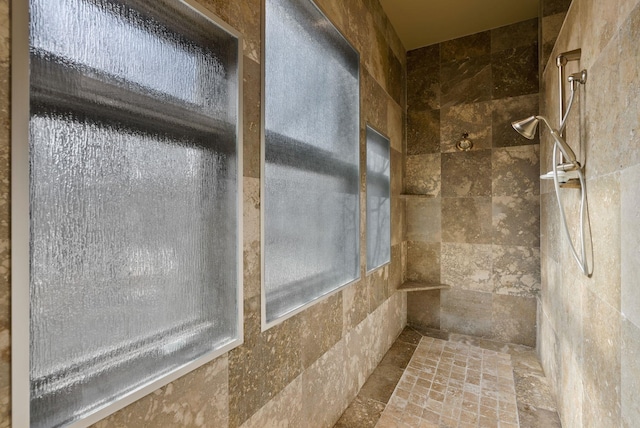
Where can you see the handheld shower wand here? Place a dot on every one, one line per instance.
(527, 128)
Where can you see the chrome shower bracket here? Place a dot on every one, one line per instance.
(561, 61)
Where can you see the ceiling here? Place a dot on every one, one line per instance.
(425, 22)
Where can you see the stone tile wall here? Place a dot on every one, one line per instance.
(551, 17)
(589, 328)
(321, 356)
(479, 231)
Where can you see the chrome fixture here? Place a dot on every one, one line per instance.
(465, 144)
(567, 171)
(527, 128)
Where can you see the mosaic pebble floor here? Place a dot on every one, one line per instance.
(450, 384)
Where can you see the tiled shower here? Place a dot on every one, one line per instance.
(478, 231)
(487, 226)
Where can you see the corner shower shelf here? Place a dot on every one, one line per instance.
(415, 196)
(422, 286)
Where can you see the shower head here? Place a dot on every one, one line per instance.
(527, 128)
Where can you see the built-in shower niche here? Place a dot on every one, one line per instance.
(134, 267)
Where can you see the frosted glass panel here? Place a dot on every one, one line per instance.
(378, 200)
(133, 198)
(311, 180)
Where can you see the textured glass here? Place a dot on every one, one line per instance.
(133, 198)
(378, 200)
(311, 180)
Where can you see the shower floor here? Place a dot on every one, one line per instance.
(433, 379)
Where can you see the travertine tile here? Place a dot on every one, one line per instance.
(423, 220)
(324, 385)
(423, 78)
(571, 398)
(373, 101)
(532, 417)
(409, 335)
(550, 7)
(466, 174)
(465, 80)
(516, 220)
(630, 379)
(378, 287)
(515, 72)
(473, 119)
(422, 174)
(320, 329)
(355, 304)
(395, 123)
(466, 220)
(629, 86)
(423, 262)
(504, 111)
(446, 383)
(602, 21)
(605, 221)
(285, 409)
(183, 402)
(601, 375)
(362, 412)
(515, 171)
(630, 243)
(475, 45)
(272, 366)
(251, 240)
(467, 266)
(516, 270)
(522, 33)
(423, 131)
(396, 267)
(514, 319)
(465, 311)
(423, 309)
(395, 77)
(251, 118)
(551, 26)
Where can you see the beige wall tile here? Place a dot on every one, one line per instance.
(516, 270)
(320, 329)
(466, 174)
(423, 309)
(630, 244)
(602, 376)
(513, 319)
(515, 171)
(423, 220)
(604, 213)
(423, 262)
(630, 379)
(466, 312)
(422, 174)
(467, 266)
(185, 402)
(466, 220)
(473, 119)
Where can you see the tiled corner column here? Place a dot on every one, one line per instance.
(479, 232)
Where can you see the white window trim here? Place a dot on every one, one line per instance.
(20, 229)
(369, 271)
(267, 325)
